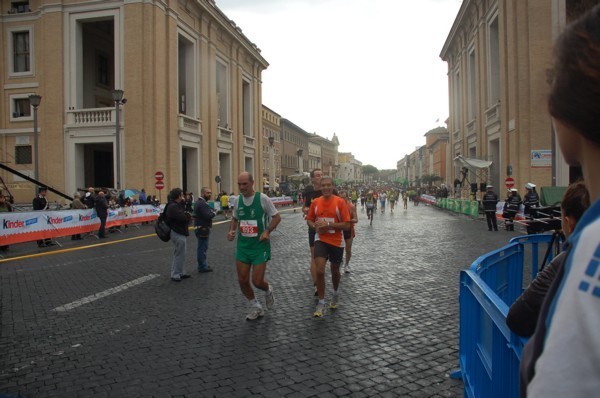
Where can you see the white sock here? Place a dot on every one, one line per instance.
(254, 302)
(322, 302)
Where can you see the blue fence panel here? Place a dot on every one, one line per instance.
(489, 352)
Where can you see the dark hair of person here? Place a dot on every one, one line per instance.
(576, 200)
(175, 193)
(575, 92)
(312, 172)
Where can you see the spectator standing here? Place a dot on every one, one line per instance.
(254, 218)
(5, 206)
(203, 219)
(90, 198)
(77, 204)
(41, 203)
(101, 206)
(523, 313)
(562, 358)
(490, 200)
(178, 220)
(142, 197)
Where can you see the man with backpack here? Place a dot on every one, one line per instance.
(178, 220)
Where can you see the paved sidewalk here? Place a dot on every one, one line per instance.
(107, 321)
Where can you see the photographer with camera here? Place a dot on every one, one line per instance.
(523, 314)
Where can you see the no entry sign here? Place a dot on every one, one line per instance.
(159, 185)
(159, 175)
(509, 182)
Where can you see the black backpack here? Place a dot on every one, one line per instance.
(162, 228)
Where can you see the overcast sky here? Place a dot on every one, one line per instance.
(367, 70)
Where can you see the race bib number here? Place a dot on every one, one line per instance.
(249, 228)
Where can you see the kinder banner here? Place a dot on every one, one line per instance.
(282, 200)
(36, 225)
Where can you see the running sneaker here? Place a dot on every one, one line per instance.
(255, 312)
(270, 298)
(320, 310)
(333, 304)
(347, 268)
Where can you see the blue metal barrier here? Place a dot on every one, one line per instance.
(489, 352)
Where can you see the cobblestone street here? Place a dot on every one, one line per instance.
(105, 319)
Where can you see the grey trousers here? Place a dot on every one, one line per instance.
(178, 266)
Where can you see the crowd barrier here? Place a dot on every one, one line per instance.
(471, 207)
(20, 227)
(489, 352)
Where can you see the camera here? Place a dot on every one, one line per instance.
(544, 219)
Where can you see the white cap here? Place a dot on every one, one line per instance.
(529, 185)
(489, 186)
(514, 190)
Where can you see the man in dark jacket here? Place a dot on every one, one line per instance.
(101, 206)
(524, 312)
(511, 208)
(490, 200)
(41, 203)
(203, 216)
(178, 220)
(531, 200)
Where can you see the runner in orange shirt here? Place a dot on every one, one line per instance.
(329, 216)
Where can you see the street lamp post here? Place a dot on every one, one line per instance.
(35, 100)
(300, 166)
(119, 100)
(272, 163)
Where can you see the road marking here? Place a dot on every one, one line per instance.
(108, 292)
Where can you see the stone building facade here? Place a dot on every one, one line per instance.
(191, 78)
(499, 59)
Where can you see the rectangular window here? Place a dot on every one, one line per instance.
(222, 95)
(23, 154)
(21, 108)
(247, 108)
(472, 85)
(21, 52)
(493, 62)
(457, 101)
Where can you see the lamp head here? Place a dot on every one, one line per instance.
(117, 95)
(271, 140)
(35, 100)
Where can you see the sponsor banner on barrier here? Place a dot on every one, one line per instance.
(21, 227)
(428, 199)
(282, 200)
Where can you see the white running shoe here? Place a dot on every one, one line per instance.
(320, 310)
(347, 268)
(333, 304)
(270, 298)
(255, 312)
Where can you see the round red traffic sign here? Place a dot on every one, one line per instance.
(159, 185)
(159, 175)
(509, 182)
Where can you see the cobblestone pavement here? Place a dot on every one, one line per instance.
(105, 319)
